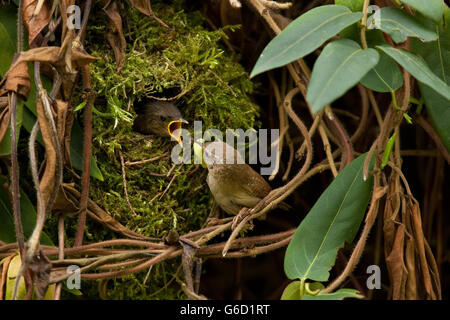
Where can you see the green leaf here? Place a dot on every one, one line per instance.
(304, 35)
(437, 56)
(386, 76)
(433, 9)
(400, 25)
(5, 144)
(339, 67)
(292, 291)
(8, 49)
(334, 220)
(28, 215)
(354, 5)
(338, 295)
(417, 68)
(79, 107)
(388, 150)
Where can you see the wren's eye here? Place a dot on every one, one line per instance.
(162, 118)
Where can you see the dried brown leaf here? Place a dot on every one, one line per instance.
(4, 272)
(420, 246)
(16, 79)
(145, 7)
(4, 120)
(47, 181)
(52, 55)
(396, 266)
(61, 114)
(35, 22)
(115, 35)
(411, 282)
(63, 203)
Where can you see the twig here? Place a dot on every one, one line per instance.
(58, 289)
(291, 157)
(124, 179)
(134, 163)
(434, 136)
(364, 24)
(345, 141)
(375, 107)
(168, 186)
(15, 175)
(364, 113)
(87, 152)
(223, 82)
(14, 160)
(276, 5)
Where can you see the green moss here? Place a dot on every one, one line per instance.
(186, 59)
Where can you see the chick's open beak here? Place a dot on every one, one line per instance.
(173, 127)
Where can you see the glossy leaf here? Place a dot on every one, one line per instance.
(339, 67)
(386, 76)
(304, 35)
(338, 295)
(437, 56)
(292, 291)
(400, 25)
(13, 270)
(432, 9)
(8, 48)
(28, 213)
(5, 144)
(354, 5)
(333, 220)
(418, 69)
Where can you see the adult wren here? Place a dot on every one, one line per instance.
(233, 183)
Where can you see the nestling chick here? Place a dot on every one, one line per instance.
(234, 185)
(159, 118)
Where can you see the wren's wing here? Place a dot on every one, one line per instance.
(252, 187)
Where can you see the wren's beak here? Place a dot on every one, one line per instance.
(173, 127)
(198, 152)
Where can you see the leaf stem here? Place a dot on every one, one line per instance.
(364, 22)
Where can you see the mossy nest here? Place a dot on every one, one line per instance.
(187, 61)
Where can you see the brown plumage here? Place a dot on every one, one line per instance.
(156, 117)
(234, 185)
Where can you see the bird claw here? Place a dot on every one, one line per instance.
(239, 217)
(212, 221)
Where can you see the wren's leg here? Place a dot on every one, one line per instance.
(213, 217)
(239, 217)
